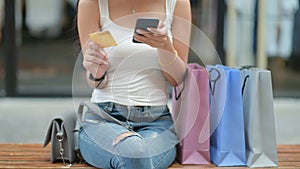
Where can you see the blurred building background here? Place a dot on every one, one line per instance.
(43, 48)
(37, 56)
(45, 55)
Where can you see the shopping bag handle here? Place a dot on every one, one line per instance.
(183, 85)
(212, 89)
(247, 77)
(247, 67)
(244, 84)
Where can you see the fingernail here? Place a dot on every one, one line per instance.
(103, 53)
(91, 43)
(138, 31)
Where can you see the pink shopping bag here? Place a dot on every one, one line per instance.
(190, 111)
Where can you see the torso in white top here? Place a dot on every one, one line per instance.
(134, 74)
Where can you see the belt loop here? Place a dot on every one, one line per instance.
(109, 106)
(146, 108)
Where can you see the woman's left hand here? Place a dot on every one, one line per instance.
(157, 38)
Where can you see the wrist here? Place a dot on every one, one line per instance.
(168, 47)
(99, 74)
(168, 59)
(97, 79)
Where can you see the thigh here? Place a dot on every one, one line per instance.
(165, 159)
(103, 133)
(97, 147)
(158, 134)
(162, 141)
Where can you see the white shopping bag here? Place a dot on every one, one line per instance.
(259, 118)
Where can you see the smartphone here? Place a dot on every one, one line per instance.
(144, 23)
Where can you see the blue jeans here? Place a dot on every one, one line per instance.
(150, 142)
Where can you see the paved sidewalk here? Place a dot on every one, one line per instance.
(25, 120)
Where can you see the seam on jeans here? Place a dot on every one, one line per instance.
(162, 159)
(119, 159)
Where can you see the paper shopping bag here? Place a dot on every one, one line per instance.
(259, 118)
(227, 142)
(190, 111)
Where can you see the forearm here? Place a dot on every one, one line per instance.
(172, 65)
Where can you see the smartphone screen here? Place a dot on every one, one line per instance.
(144, 23)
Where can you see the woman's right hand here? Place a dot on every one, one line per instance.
(95, 59)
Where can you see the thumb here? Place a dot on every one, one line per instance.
(161, 24)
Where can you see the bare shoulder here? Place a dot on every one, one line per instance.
(88, 6)
(183, 2)
(88, 11)
(88, 18)
(88, 2)
(183, 8)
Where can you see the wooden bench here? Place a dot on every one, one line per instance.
(34, 156)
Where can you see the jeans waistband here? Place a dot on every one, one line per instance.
(137, 113)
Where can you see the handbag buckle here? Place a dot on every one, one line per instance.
(60, 138)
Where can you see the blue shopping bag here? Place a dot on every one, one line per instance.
(227, 142)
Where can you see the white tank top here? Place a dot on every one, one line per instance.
(134, 74)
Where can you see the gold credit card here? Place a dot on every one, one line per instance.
(104, 39)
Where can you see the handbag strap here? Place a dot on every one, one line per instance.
(100, 112)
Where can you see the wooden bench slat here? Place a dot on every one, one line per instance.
(25, 156)
(288, 146)
(40, 166)
(290, 164)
